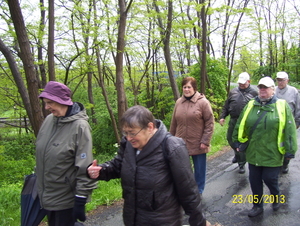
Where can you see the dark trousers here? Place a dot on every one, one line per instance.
(61, 218)
(240, 156)
(260, 174)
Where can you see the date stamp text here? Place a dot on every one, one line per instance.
(256, 199)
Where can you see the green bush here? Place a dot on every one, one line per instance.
(104, 139)
(14, 171)
(219, 139)
(10, 209)
(19, 147)
(16, 158)
(217, 73)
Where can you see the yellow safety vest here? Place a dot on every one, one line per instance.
(280, 106)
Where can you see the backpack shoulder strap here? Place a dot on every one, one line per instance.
(165, 148)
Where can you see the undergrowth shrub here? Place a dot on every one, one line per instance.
(16, 158)
(10, 209)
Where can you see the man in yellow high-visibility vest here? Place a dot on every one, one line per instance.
(268, 125)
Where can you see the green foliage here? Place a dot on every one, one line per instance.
(13, 154)
(262, 72)
(161, 102)
(18, 147)
(10, 209)
(13, 171)
(219, 139)
(247, 61)
(103, 137)
(291, 63)
(105, 194)
(217, 73)
(216, 102)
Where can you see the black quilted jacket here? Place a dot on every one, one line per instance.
(155, 189)
(237, 100)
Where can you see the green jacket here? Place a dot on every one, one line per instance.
(63, 152)
(263, 145)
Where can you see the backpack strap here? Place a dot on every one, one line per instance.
(165, 148)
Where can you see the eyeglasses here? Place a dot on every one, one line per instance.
(126, 134)
(281, 80)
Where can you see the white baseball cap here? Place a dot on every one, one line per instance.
(243, 78)
(282, 74)
(266, 81)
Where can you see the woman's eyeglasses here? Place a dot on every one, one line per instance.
(126, 134)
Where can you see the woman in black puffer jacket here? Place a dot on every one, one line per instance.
(156, 174)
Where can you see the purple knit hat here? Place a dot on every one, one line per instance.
(57, 92)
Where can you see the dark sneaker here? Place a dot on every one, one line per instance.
(285, 170)
(241, 170)
(255, 211)
(234, 160)
(276, 206)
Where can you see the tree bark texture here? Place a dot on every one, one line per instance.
(28, 64)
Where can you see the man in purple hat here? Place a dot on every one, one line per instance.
(63, 152)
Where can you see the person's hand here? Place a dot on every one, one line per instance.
(79, 209)
(94, 170)
(203, 146)
(222, 121)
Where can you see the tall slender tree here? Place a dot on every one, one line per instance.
(123, 12)
(28, 65)
(51, 64)
(165, 32)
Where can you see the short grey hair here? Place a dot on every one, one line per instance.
(137, 116)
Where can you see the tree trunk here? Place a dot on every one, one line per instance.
(28, 64)
(203, 74)
(40, 47)
(165, 35)
(105, 95)
(51, 65)
(122, 102)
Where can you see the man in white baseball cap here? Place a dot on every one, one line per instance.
(238, 97)
(243, 78)
(291, 95)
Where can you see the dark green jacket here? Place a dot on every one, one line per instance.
(263, 146)
(63, 152)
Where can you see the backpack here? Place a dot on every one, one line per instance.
(165, 149)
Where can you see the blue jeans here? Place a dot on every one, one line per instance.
(200, 170)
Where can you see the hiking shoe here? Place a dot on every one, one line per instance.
(241, 170)
(285, 170)
(234, 160)
(255, 211)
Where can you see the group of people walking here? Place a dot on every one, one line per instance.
(157, 177)
(263, 132)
